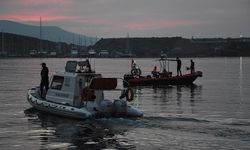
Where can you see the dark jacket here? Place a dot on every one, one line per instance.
(45, 75)
(178, 64)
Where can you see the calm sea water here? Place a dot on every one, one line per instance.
(212, 114)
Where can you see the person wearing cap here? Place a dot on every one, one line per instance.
(44, 79)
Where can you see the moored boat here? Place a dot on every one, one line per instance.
(78, 93)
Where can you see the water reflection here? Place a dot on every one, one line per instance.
(58, 132)
(164, 91)
(178, 94)
(163, 99)
(137, 97)
(240, 79)
(195, 92)
(167, 92)
(192, 93)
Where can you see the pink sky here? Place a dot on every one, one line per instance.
(36, 18)
(112, 18)
(39, 2)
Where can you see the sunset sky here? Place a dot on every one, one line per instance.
(138, 18)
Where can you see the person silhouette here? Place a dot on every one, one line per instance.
(44, 79)
(192, 66)
(155, 73)
(178, 66)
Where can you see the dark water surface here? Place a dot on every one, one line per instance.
(212, 114)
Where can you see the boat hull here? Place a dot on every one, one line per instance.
(106, 109)
(57, 109)
(186, 79)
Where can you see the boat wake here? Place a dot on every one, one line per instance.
(84, 134)
(237, 129)
(119, 133)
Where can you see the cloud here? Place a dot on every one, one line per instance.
(36, 18)
(110, 18)
(41, 2)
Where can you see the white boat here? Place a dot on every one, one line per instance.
(78, 93)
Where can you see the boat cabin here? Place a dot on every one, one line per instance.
(66, 87)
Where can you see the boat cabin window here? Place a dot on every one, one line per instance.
(57, 82)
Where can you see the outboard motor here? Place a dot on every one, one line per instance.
(119, 108)
(105, 107)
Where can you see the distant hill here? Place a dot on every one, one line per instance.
(14, 45)
(51, 33)
(176, 46)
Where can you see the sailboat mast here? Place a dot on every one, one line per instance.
(2, 42)
(40, 48)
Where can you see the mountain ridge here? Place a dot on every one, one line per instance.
(51, 33)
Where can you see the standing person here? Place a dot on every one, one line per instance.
(44, 79)
(178, 66)
(192, 66)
